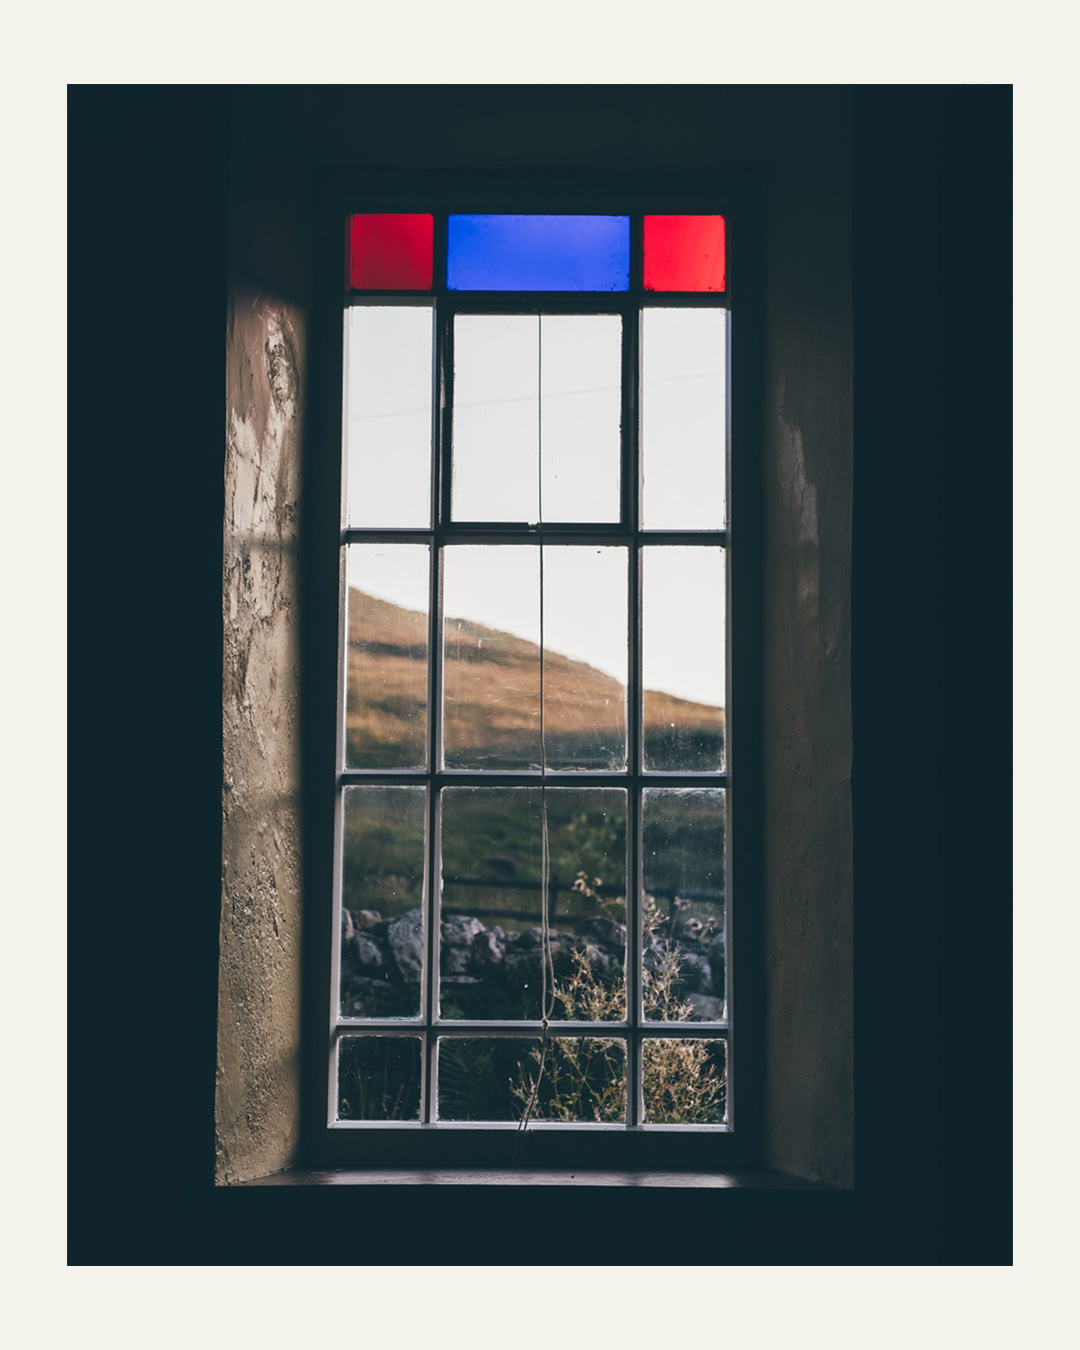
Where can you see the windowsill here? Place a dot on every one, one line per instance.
(385, 1176)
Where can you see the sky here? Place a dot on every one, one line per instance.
(520, 383)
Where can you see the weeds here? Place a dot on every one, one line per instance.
(585, 1079)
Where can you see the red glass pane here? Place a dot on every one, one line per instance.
(684, 253)
(390, 252)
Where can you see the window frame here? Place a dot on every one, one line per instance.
(329, 1143)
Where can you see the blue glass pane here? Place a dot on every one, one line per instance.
(538, 253)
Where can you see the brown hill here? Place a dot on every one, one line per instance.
(492, 701)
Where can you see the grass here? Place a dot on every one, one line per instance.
(492, 690)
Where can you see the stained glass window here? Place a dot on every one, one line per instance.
(538, 253)
(684, 253)
(391, 252)
(544, 253)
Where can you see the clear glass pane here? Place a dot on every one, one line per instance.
(387, 656)
(684, 944)
(491, 653)
(585, 657)
(379, 1078)
(382, 894)
(682, 665)
(495, 417)
(491, 933)
(581, 382)
(581, 1080)
(491, 657)
(683, 418)
(389, 355)
(684, 1082)
(519, 382)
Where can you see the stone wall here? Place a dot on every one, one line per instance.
(259, 979)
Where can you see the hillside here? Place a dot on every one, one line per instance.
(492, 686)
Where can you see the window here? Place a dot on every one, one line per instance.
(534, 835)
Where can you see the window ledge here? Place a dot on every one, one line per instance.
(742, 1180)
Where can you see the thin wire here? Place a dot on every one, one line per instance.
(547, 965)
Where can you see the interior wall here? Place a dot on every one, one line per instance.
(257, 1106)
(808, 477)
(798, 139)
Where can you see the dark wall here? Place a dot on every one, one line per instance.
(154, 167)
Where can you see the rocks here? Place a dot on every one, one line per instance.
(606, 962)
(606, 932)
(699, 968)
(459, 930)
(705, 1008)
(406, 939)
(487, 951)
(695, 973)
(456, 960)
(495, 972)
(367, 952)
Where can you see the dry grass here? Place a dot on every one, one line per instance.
(492, 683)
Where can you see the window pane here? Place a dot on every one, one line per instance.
(682, 607)
(683, 418)
(491, 655)
(391, 252)
(581, 1080)
(387, 414)
(387, 661)
(495, 419)
(581, 373)
(500, 364)
(684, 253)
(491, 935)
(379, 1078)
(684, 1082)
(382, 893)
(538, 253)
(585, 656)
(683, 939)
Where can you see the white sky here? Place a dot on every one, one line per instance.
(498, 422)
(499, 419)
